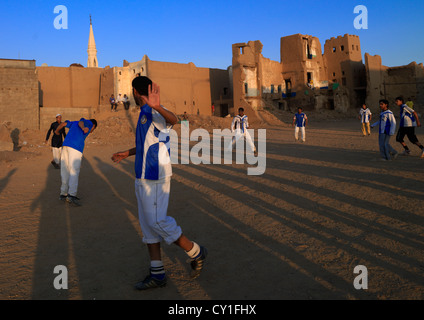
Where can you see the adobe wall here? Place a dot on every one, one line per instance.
(404, 81)
(375, 74)
(19, 93)
(69, 87)
(183, 87)
(300, 55)
(48, 115)
(246, 70)
(343, 58)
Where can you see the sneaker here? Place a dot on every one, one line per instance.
(150, 282)
(198, 263)
(62, 197)
(73, 200)
(406, 152)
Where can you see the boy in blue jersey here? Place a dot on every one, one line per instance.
(152, 185)
(301, 121)
(408, 121)
(387, 128)
(70, 162)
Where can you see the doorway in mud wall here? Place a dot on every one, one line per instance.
(223, 109)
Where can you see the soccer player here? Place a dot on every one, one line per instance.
(153, 181)
(387, 128)
(57, 140)
(408, 121)
(365, 116)
(70, 162)
(300, 120)
(239, 125)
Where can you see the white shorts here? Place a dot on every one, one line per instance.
(152, 199)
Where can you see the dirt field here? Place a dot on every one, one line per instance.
(296, 232)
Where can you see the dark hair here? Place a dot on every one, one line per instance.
(241, 109)
(141, 85)
(400, 99)
(384, 101)
(94, 122)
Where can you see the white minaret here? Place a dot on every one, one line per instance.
(92, 51)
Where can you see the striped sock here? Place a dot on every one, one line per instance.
(156, 269)
(194, 252)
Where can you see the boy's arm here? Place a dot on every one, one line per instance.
(153, 100)
(83, 127)
(416, 118)
(233, 124)
(119, 156)
(60, 126)
(48, 133)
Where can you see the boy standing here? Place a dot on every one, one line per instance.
(300, 120)
(152, 185)
(57, 140)
(387, 128)
(240, 125)
(72, 150)
(408, 121)
(365, 115)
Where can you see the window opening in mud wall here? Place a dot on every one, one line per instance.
(309, 77)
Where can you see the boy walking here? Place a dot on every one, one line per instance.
(387, 128)
(365, 115)
(57, 140)
(72, 150)
(408, 121)
(153, 181)
(300, 120)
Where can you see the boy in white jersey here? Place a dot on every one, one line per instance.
(365, 116)
(387, 128)
(408, 121)
(240, 125)
(152, 186)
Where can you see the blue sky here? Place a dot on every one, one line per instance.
(202, 31)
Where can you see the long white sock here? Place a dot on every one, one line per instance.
(194, 252)
(157, 269)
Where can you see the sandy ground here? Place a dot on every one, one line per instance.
(296, 232)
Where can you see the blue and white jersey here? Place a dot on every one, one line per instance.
(76, 137)
(300, 119)
(240, 123)
(152, 158)
(407, 118)
(365, 115)
(387, 123)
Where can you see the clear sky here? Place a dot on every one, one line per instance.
(202, 31)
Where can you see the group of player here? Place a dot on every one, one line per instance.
(409, 120)
(152, 177)
(153, 169)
